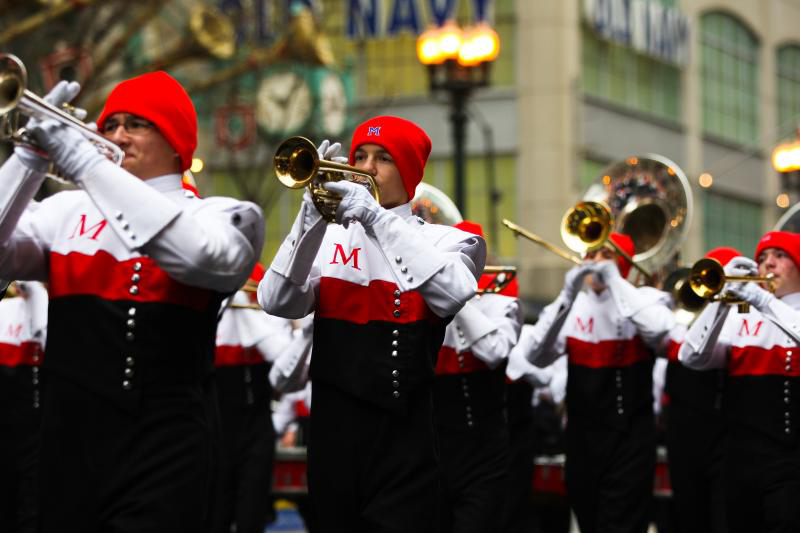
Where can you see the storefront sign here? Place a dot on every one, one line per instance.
(382, 18)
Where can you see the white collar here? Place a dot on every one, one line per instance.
(166, 183)
(792, 300)
(403, 210)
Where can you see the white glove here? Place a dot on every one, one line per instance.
(741, 266)
(750, 292)
(72, 152)
(606, 271)
(62, 93)
(357, 204)
(574, 278)
(328, 151)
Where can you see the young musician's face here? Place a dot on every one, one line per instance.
(147, 152)
(377, 161)
(779, 264)
(595, 256)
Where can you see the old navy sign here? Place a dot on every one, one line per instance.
(381, 18)
(646, 26)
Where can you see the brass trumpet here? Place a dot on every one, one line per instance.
(677, 284)
(14, 97)
(298, 165)
(587, 227)
(503, 276)
(707, 279)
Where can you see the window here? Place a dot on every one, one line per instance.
(729, 57)
(788, 91)
(621, 75)
(730, 221)
(387, 67)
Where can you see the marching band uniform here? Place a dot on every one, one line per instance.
(762, 455)
(248, 341)
(609, 340)
(23, 330)
(695, 431)
(381, 290)
(522, 379)
(137, 270)
(469, 398)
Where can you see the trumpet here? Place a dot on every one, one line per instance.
(503, 276)
(587, 227)
(298, 165)
(541, 242)
(707, 279)
(677, 284)
(14, 97)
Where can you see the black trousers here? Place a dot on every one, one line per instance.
(19, 454)
(695, 450)
(762, 478)
(609, 474)
(104, 469)
(516, 506)
(371, 470)
(474, 465)
(248, 455)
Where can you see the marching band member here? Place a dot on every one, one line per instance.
(382, 284)
(248, 342)
(23, 331)
(137, 269)
(608, 334)
(469, 398)
(695, 431)
(758, 348)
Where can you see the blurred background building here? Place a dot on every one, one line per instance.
(578, 84)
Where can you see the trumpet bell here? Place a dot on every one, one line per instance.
(296, 162)
(13, 79)
(586, 226)
(707, 278)
(677, 284)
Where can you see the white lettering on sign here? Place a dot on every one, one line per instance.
(365, 18)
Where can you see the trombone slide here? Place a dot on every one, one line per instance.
(541, 242)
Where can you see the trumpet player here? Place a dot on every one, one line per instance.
(137, 269)
(470, 405)
(759, 350)
(609, 334)
(23, 332)
(382, 284)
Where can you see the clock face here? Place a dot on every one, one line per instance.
(284, 103)
(333, 104)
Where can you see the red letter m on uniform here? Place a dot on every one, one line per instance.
(745, 329)
(339, 251)
(80, 229)
(586, 328)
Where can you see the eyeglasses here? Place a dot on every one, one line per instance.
(134, 126)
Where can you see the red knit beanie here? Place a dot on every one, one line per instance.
(470, 227)
(787, 241)
(406, 142)
(159, 98)
(626, 244)
(723, 254)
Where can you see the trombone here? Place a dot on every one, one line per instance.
(587, 227)
(541, 242)
(15, 97)
(707, 279)
(298, 165)
(503, 276)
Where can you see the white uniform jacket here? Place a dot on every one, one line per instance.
(610, 343)
(23, 332)
(760, 351)
(379, 298)
(136, 271)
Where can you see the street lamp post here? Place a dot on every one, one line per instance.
(458, 63)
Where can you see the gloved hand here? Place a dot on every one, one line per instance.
(62, 93)
(574, 278)
(749, 291)
(606, 271)
(357, 204)
(70, 151)
(741, 266)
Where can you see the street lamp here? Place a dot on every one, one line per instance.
(786, 160)
(458, 62)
